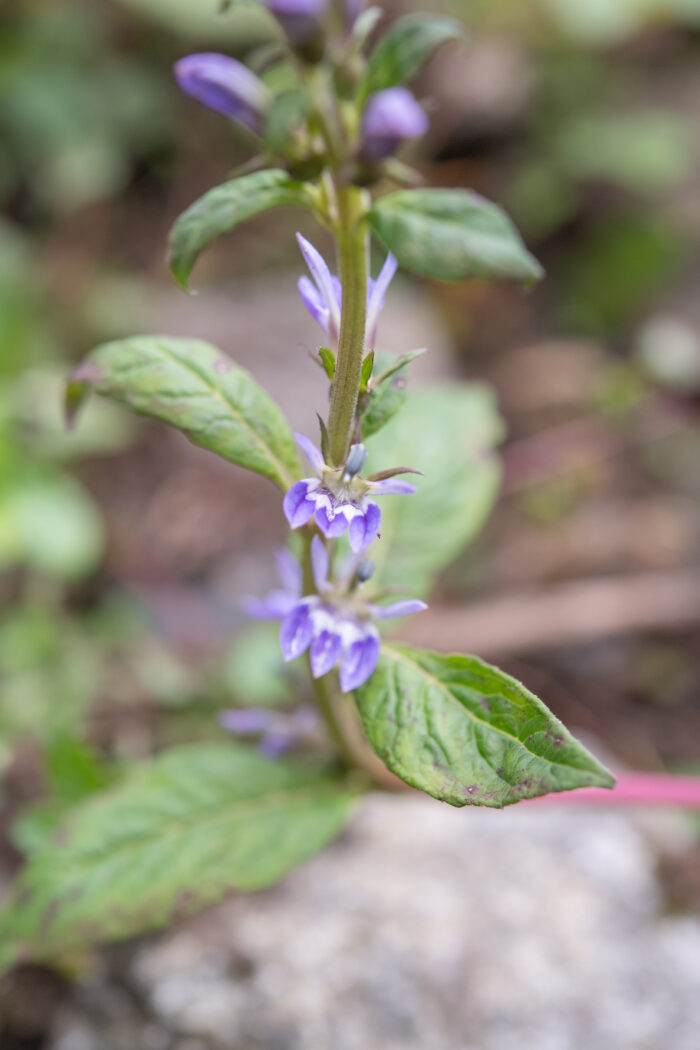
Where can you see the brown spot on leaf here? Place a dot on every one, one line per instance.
(222, 366)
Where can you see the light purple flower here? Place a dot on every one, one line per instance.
(390, 116)
(279, 731)
(280, 600)
(323, 297)
(224, 85)
(339, 498)
(337, 626)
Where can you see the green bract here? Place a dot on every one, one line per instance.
(198, 389)
(177, 835)
(452, 235)
(468, 734)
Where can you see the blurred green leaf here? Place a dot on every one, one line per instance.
(452, 235)
(175, 836)
(197, 388)
(223, 208)
(643, 152)
(616, 270)
(448, 432)
(403, 51)
(468, 734)
(51, 525)
(254, 671)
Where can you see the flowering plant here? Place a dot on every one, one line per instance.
(203, 819)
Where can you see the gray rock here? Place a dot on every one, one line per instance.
(532, 929)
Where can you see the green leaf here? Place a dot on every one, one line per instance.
(383, 402)
(405, 49)
(328, 361)
(176, 836)
(367, 366)
(198, 389)
(397, 365)
(448, 432)
(468, 734)
(223, 208)
(452, 235)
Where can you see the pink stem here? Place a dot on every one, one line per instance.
(636, 789)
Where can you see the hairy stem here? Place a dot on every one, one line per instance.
(353, 254)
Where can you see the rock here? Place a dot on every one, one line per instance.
(531, 929)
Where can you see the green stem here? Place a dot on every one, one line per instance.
(353, 255)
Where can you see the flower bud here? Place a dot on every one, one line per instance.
(357, 457)
(302, 22)
(224, 85)
(365, 570)
(390, 116)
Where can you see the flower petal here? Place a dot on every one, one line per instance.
(319, 563)
(289, 571)
(312, 453)
(364, 528)
(296, 631)
(297, 508)
(405, 608)
(331, 527)
(314, 302)
(275, 744)
(393, 487)
(326, 649)
(274, 606)
(377, 295)
(247, 721)
(324, 281)
(359, 662)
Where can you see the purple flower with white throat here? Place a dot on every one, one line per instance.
(339, 498)
(337, 625)
(226, 86)
(323, 297)
(390, 117)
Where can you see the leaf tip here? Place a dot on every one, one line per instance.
(78, 386)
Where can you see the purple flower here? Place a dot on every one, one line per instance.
(339, 497)
(279, 601)
(278, 731)
(224, 85)
(390, 116)
(337, 626)
(323, 296)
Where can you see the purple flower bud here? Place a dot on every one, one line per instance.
(390, 116)
(224, 85)
(300, 19)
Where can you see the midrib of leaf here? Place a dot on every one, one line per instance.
(218, 393)
(212, 814)
(399, 656)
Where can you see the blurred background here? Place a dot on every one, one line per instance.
(125, 552)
